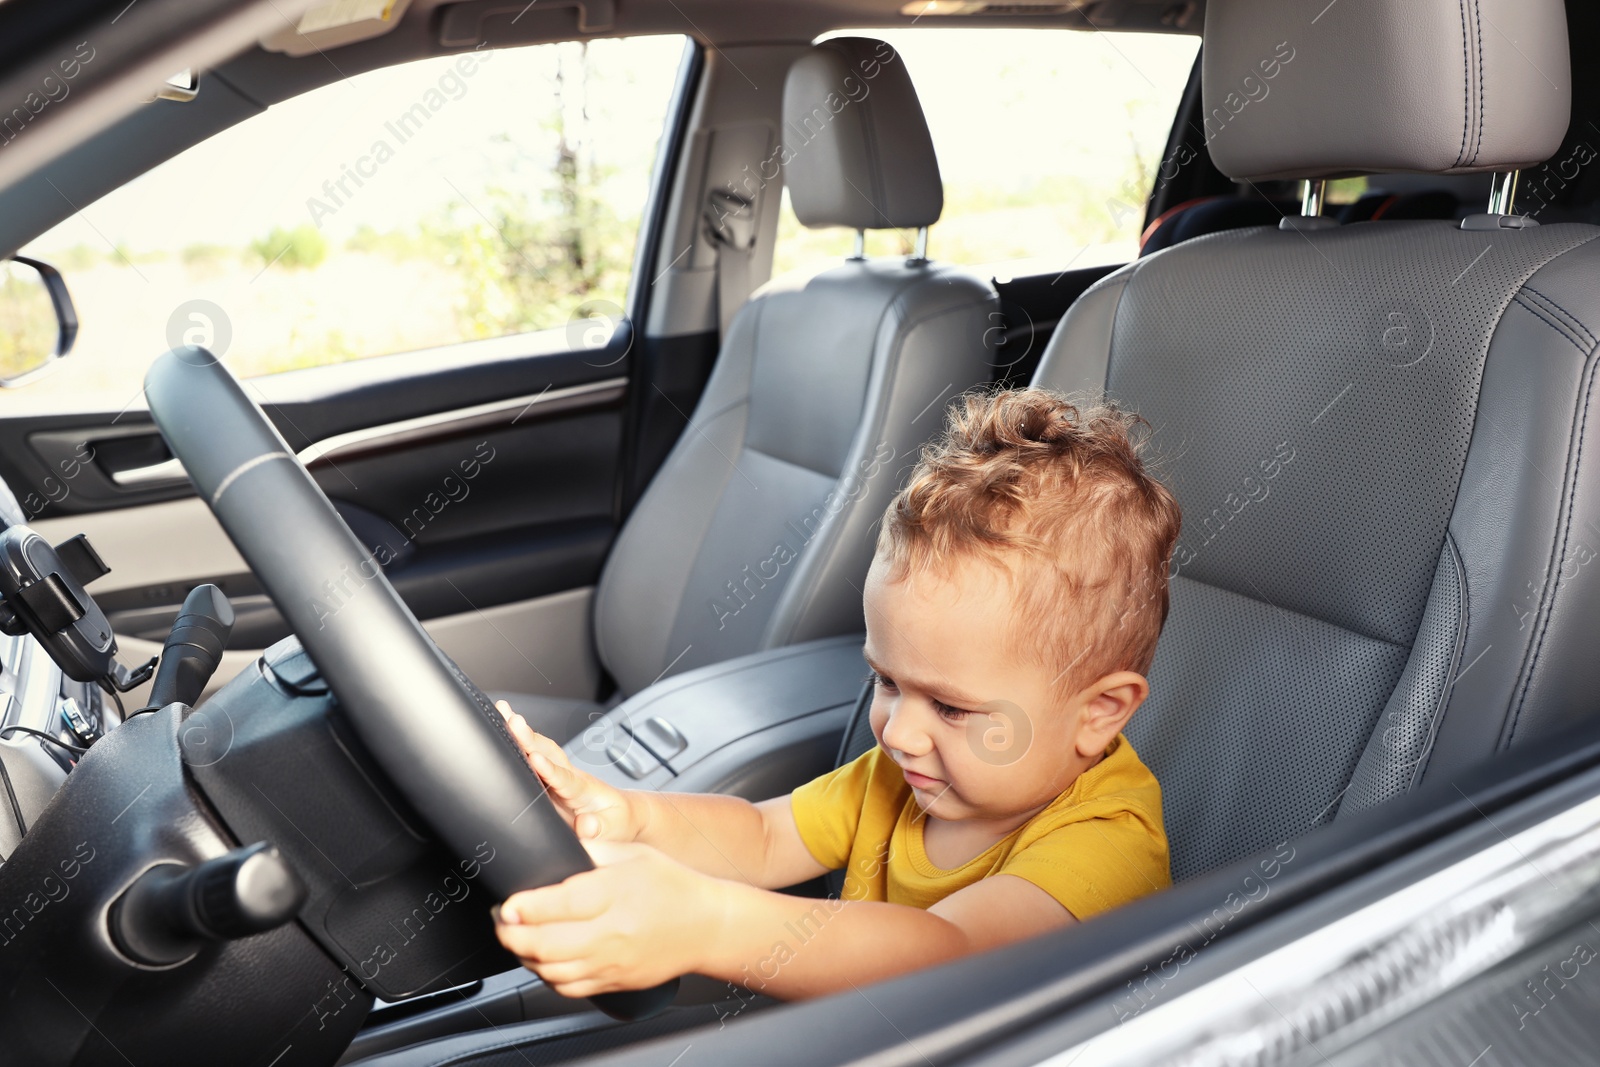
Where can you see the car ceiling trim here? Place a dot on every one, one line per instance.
(135, 48)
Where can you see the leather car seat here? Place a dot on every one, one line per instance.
(1376, 432)
(759, 528)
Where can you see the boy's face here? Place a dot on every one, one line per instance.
(979, 728)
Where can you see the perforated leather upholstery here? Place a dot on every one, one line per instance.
(1379, 462)
(1377, 435)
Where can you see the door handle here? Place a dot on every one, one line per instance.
(155, 476)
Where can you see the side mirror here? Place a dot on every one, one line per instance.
(37, 321)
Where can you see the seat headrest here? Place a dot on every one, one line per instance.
(856, 148)
(1312, 89)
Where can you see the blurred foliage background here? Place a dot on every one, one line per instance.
(29, 328)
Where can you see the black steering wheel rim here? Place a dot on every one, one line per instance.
(431, 730)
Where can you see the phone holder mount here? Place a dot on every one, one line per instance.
(42, 594)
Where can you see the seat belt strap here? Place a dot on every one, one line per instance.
(731, 228)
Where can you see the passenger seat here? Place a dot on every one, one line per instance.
(758, 530)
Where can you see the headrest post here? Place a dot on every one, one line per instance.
(861, 245)
(1503, 192)
(1312, 193)
(919, 251)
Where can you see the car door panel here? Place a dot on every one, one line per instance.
(539, 644)
(544, 646)
(481, 483)
(318, 405)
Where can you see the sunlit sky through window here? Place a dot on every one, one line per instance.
(1062, 103)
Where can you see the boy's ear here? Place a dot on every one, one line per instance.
(1109, 703)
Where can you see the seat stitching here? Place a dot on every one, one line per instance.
(690, 423)
(1111, 336)
(1550, 306)
(869, 134)
(1499, 318)
(1292, 611)
(1550, 315)
(1547, 605)
(830, 475)
(1499, 315)
(1463, 625)
(1477, 18)
(1550, 321)
(1575, 323)
(1466, 84)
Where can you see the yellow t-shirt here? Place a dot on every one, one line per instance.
(1098, 845)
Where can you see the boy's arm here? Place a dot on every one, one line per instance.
(641, 917)
(727, 837)
(793, 947)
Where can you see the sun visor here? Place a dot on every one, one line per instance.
(338, 23)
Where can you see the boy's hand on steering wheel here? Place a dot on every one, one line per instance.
(595, 810)
(636, 920)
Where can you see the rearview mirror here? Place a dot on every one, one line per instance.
(37, 320)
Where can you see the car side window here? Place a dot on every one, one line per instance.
(435, 202)
(1048, 141)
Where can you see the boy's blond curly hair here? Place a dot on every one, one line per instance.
(1060, 497)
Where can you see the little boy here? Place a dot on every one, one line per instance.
(1012, 608)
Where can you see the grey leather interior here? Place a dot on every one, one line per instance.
(755, 726)
(1376, 434)
(758, 530)
(856, 147)
(1308, 89)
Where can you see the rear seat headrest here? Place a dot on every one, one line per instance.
(856, 149)
(1312, 89)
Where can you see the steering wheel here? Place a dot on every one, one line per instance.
(434, 733)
